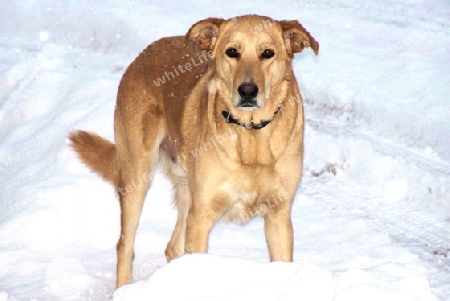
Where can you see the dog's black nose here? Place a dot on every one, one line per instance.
(248, 90)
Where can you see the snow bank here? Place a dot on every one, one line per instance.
(207, 277)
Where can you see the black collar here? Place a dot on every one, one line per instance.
(256, 126)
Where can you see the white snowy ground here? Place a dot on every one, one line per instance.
(371, 217)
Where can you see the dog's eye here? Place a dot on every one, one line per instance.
(267, 54)
(232, 52)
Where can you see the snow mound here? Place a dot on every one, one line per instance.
(210, 277)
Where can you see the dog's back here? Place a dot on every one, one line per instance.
(162, 77)
(160, 80)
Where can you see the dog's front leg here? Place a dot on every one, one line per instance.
(197, 232)
(201, 218)
(279, 234)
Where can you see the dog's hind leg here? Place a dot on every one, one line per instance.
(131, 202)
(138, 136)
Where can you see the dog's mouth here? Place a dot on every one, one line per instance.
(251, 124)
(248, 108)
(246, 104)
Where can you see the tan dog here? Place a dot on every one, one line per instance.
(220, 109)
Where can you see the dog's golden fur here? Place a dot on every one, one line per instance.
(219, 169)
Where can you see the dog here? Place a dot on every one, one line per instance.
(220, 110)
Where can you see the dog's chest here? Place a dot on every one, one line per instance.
(254, 148)
(240, 203)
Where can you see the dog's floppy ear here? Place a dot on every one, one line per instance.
(205, 32)
(297, 37)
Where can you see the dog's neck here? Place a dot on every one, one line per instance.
(251, 125)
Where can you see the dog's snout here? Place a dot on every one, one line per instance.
(248, 90)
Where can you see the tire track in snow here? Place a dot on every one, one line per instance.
(399, 217)
(422, 233)
(425, 159)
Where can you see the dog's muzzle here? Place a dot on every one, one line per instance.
(248, 92)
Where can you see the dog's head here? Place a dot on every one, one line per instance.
(252, 56)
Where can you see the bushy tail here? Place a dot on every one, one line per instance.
(97, 153)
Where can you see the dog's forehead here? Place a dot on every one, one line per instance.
(251, 29)
(252, 20)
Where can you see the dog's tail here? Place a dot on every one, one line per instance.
(97, 153)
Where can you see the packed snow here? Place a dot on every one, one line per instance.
(372, 214)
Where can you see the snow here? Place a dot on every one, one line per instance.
(371, 217)
(209, 277)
